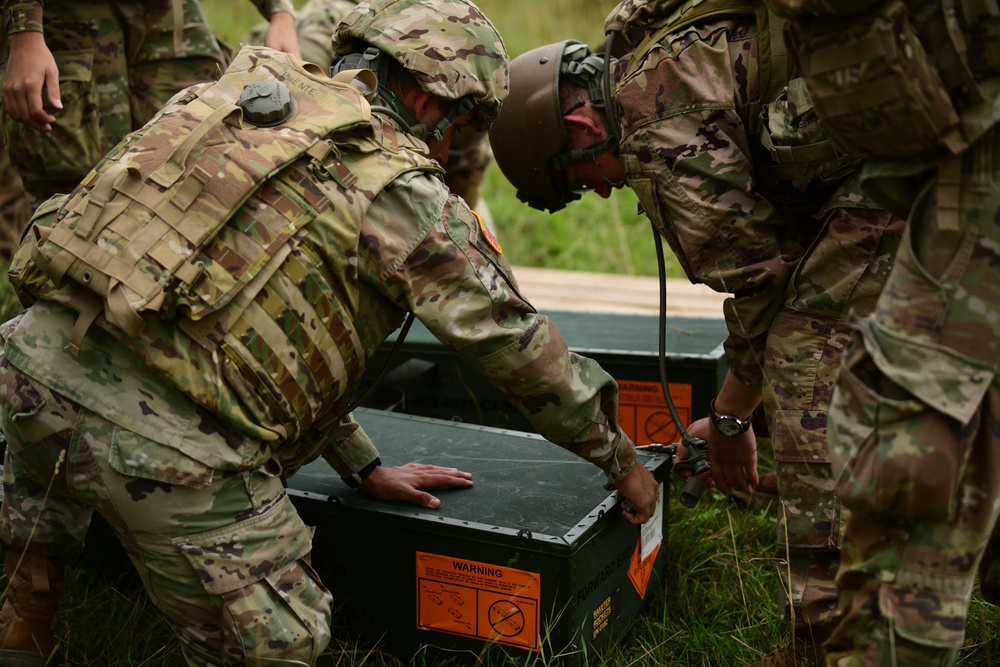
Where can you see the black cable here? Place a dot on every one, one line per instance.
(696, 462)
(407, 323)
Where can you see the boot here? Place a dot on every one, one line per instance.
(802, 651)
(28, 617)
(789, 655)
(765, 494)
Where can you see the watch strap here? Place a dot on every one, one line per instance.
(356, 479)
(715, 417)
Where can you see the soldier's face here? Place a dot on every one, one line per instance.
(434, 112)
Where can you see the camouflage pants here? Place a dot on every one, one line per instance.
(119, 63)
(226, 560)
(915, 436)
(842, 272)
(14, 212)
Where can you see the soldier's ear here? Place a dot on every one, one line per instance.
(421, 103)
(586, 121)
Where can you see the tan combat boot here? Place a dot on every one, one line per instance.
(803, 651)
(30, 602)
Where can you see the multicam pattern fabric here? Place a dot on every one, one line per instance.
(14, 211)
(918, 411)
(231, 545)
(107, 90)
(315, 23)
(463, 55)
(197, 411)
(913, 420)
(797, 260)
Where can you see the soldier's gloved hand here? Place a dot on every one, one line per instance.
(407, 482)
(641, 490)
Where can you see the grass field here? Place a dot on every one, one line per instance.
(716, 607)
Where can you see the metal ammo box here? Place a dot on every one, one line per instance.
(536, 560)
(427, 378)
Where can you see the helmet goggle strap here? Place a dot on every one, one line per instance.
(373, 59)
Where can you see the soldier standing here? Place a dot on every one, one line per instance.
(705, 121)
(203, 308)
(915, 417)
(82, 75)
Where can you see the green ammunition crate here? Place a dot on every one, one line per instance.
(426, 378)
(536, 560)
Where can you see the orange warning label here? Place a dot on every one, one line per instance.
(490, 602)
(643, 413)
(640, 570)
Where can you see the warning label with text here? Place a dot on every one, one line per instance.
(643, 412)
(481, 600)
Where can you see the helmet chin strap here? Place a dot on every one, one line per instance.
(375, 60)
(594, 72)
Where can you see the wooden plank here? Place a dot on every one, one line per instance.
(552, 289)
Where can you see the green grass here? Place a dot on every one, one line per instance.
(717, 605)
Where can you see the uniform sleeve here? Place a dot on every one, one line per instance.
(23, 16)
(693, 173)
(268, 7)
(453, 276)
(350, 448)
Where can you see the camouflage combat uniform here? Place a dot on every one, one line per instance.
(797, 245)
(915, 414)
(119, 62)
(470, 153)
(14, 211)
(180, 429)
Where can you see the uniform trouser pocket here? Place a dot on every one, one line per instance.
(73, 146)
(268, 602)
(40, 429)
(892, 454)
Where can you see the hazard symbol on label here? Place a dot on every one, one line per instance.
(643, 412)
(640, 570)
(489, 602)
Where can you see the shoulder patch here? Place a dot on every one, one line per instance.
(488, 234)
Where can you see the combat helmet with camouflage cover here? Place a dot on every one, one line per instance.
(449, 46)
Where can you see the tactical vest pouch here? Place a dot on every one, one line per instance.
(802, 153)
(873, 85)
(140, 233)
(30, 282)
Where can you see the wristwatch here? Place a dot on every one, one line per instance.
(357, 479)
(729, 425)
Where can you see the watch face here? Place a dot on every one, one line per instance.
(728, 426)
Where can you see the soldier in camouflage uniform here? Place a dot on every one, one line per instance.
(14, 211)
(915, 416)
(201, 315)
(84, 74)
(704, 123)
(470, 150)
